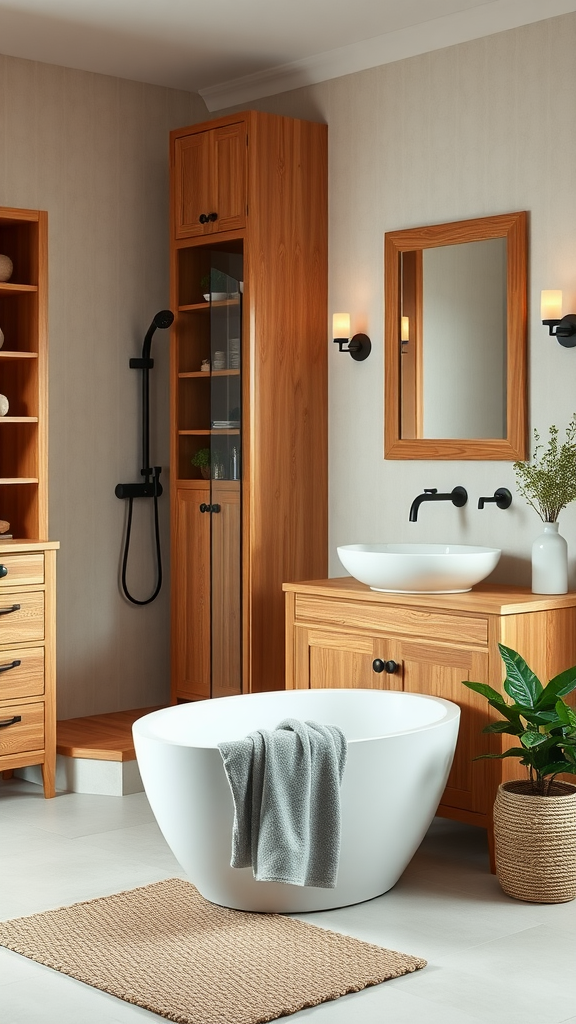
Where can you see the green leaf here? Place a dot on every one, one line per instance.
(508, 727)
(507, 710)
(559, 686)
(486, 691)
(521, 682)
(556, 768)
(532, 739)
(565, 713)
(511, 752)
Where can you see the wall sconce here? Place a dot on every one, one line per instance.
(359, 346)
(551, 313)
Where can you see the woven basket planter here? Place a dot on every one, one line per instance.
(535, 841)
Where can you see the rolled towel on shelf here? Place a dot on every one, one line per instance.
(285, 785)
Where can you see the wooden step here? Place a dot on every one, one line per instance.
(99, 737)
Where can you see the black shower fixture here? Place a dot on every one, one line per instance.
(151, 486)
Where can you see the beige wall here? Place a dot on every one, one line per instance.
(93, 151)
(481, 128)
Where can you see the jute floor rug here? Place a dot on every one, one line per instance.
(167, 949)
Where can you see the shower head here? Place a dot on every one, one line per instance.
(162, 320)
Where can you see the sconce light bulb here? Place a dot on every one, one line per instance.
(404, 328)
(341, 325)
(551, 304)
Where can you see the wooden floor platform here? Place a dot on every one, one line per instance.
(99, 737)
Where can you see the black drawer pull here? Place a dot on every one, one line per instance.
(11, 721)
(8, 611)
(3, 571)
(207, 218)
(6, 668)
(385, 666)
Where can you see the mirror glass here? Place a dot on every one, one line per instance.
(456, 340)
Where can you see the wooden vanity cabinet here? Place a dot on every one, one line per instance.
(336, 630)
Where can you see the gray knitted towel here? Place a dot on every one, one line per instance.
(286, 788)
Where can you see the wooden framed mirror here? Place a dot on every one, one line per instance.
(455, 369)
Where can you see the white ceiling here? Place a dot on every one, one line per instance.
(233, 51)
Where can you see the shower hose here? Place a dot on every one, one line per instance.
(127, 593)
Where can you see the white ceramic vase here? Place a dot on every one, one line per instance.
(550, 562)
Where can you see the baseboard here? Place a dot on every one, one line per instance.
(86, 775)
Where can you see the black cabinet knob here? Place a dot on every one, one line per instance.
(384, 666)
(3, 571)
(207, 218)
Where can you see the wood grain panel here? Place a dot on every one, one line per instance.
(100, 737)
(226, 590)
(25, 679)
(22, 569)
(230, 156)
(193, 182)
(191, 594)
(435, 673)
(395, 620)
(25, 735)
(26, 623)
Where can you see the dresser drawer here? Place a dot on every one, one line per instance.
(22, 569)
(395, 620)
(21, 673)
(21, 617)
(21, 728)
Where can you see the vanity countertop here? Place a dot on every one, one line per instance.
(487, 598)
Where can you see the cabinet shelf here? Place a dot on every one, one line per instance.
(18, 419)
(211, 373)
(218, 432)
(18, 480)
(194, 307)
(17, 355)
(7, 288)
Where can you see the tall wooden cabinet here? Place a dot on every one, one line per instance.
(248, 392)
(341, 633)
(27, 557)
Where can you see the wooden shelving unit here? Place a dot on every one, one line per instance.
(248, 200)
(28, 559)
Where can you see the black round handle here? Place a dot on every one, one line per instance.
(204, 507)
(385, 666)
(206, 218)
(3, 571)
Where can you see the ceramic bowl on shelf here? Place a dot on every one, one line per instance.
(215, 296)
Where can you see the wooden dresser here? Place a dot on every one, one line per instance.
(341, 633)
(27, 657)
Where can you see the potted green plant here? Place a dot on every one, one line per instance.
(535, 818)
(201, 459)
(548, 483)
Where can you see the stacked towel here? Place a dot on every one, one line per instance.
(286, 789)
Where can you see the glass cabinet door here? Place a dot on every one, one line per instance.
(226, 472)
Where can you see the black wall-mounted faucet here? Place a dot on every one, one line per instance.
(458, 496)
(501, 497)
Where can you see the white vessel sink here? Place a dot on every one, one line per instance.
(419, 568)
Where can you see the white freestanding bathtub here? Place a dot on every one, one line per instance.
(400, 749)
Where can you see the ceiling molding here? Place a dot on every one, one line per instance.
(491, 17)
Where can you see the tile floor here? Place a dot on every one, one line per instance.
(490, 958)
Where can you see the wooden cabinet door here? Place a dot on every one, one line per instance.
(439, 671)
(191, 589)
(230, 157)
(325, 660)
(210, 178)
(226, 589)
(194, 183)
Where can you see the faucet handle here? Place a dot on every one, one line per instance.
(502, 498)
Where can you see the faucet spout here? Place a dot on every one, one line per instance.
(458, 496)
